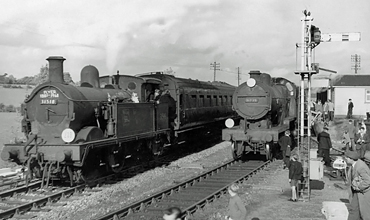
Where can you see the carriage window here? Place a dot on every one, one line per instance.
(220, 100)
(214, 100)
(231, 100)
(201, 101)
(193, 101)
(181, 100)
(226, 101)
(208, 101)
(187, 101)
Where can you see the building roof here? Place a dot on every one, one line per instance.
(351, 80)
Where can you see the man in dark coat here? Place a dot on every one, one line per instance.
(350, 108)
(295, 175)
(285, 142)
(359, 190)
(324, 145)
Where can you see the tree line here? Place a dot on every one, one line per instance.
(9, 108)
(37, 79)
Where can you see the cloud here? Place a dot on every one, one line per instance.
(140, 36)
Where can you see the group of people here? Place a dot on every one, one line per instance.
(326, 109)
(356, 139)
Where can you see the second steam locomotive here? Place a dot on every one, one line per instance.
(268, 107)
(75, 133)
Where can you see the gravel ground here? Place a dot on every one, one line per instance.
(269, 199)
(112, 197)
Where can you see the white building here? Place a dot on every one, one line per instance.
(355, 87)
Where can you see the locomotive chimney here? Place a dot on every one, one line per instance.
(255, 74)
(56, 69)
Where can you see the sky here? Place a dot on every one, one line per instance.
(138, 36)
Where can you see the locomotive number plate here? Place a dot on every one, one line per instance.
(49, 101)
(251, 100)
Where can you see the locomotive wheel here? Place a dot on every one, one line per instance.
(237, 149)
(116, 159)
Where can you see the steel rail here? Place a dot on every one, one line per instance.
(200, 204)
(36, 204)
(22, 189)
(40, 202)
(142, 204)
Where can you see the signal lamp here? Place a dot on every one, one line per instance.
(68, 135)
(229, 123)
(251, 82)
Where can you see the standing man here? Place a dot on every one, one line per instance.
(350, 108)
(326, 111)
(362, 140)
(285, 142)
(331, 110)
(351, 132)
(324, 145)
(359, 191)
(318, 106)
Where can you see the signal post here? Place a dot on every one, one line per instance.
(310, 39)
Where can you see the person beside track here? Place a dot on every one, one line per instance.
(237, 210)
(295, 175)
(359, 190)
(285, 144)
(350, 109)
(362, 141)
(351, 131)
(324, 145)
(331, 110)
(173, 213)
(346, 140)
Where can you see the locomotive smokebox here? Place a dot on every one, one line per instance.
(56, 69)
(90, 77)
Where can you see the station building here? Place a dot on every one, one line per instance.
(355, 87)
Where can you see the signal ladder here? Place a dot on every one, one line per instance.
(304, 126)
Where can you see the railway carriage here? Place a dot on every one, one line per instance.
(268, 107)
(78, 133)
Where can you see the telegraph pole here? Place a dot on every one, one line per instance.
(215, 66)
(238, 76)
(357, 60)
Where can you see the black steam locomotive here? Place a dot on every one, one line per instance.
(268, 107)
(76, 133)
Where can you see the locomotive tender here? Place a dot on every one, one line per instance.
(76, 133)
(268, 107)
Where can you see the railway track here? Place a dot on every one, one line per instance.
(31, 198)
(192, 194)
(24, 201)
